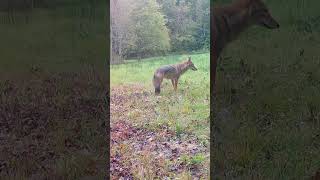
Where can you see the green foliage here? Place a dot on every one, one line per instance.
(149, 27)
(152, 28)
(197, 159)
(189, 24)
(194, 160)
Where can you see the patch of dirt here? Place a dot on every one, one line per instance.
(140, 152)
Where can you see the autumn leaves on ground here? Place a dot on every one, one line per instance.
(159, 136)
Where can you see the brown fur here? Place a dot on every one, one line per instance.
(172, 72)
(228, 21)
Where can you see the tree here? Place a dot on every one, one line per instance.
(149, 25)
(122, 37)
(141, 28)
(188, 22)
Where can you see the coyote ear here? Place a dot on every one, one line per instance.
(251, 1)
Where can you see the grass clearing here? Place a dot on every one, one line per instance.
(190, 105)
(183, 114)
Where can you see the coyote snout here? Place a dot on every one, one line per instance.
(228, 21)
(260, 15)
(172, 72)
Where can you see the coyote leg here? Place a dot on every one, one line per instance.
(157, 85)
(172, 81)
(176, 85)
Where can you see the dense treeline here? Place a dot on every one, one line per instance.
(9, 5)
(142, 28)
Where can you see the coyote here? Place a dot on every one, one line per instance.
(172, 72)
(228, 21)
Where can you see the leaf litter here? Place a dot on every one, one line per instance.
(43, 124)
(141, 152)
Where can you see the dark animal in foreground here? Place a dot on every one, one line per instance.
(228, 21)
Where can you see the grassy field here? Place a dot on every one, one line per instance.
(184, 113)
(268, 110)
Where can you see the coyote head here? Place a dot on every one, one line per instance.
(260, 15)
(191, 65)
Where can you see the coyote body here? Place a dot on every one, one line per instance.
(172, 72)
(228, 21)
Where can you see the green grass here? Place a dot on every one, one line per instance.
(135, 71)
(270, 90)
(184, 111)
